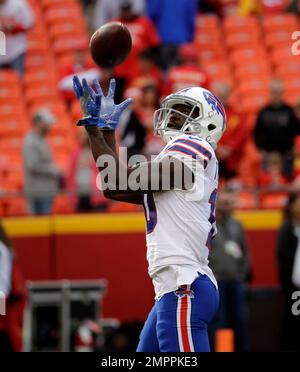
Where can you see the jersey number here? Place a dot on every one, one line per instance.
(212, 217)
(150, 212)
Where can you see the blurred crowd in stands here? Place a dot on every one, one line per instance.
(239, 49)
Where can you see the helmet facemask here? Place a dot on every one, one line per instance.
(164, 125)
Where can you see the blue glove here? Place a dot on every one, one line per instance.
(97, 108)
(90, 107)
(110, 113)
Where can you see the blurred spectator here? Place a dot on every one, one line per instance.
(144, 36)
(147, 105)
(276, 128)
(229, 260)
(250, 7)
(132, 132)
(16, 18)
(231, 147)
(88, 7)
(13, 286)
(206, 6)
(82, 178)
(226, 7)
(41, 175)
(175, 21)
(106, 10)
(145, 72)
(274, 6)
(294, 6)
(125, 338)
(273, 177)
(82, 67)
(289, 270)
(188, 73)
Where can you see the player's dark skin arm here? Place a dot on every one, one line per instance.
(109, 137)
(100, 147)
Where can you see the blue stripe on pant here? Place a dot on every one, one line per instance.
(179, 320)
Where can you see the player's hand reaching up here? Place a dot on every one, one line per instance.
(98, 109)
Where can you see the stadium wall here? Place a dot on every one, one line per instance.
(112, 247)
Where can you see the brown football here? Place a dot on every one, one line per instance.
(110, 45)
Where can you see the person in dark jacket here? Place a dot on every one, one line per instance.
(229, 259)
(289, 271)
(276, 127)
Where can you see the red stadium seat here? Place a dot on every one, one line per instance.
(46, 4)
(76, 111)
(254, 86)
(279, 55)
(212, 54)
(63, 13)
(13, 126)
(207, 38)
(279, 38)
(71, 28)
(253, 69)
(68, 44)
(273, 200)
(12, 108)
(241, 57)
(40, 77)
(9, 92)
(39, 59)
(207, 22)
(56, 106)
(9, 76)
(62, 205)
(14, 180)
(289, 69)
(39, 95)
(282, 22)
(214, 68)
(61, 144)
(246, 200)
(16, 207)
(292, 97)
(240, 39)
(38, 43)
(63, 127)
(254, 103)
(236, 24)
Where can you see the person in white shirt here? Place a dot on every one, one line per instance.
(178, 190)
(16, 19)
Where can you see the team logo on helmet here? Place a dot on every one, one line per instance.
(214, 103)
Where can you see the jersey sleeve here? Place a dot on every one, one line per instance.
(191, 151)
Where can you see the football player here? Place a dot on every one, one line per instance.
(180, 218)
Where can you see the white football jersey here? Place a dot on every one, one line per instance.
(181, 224)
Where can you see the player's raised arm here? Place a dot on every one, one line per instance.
(122, 182)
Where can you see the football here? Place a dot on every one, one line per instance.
(110, 45)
